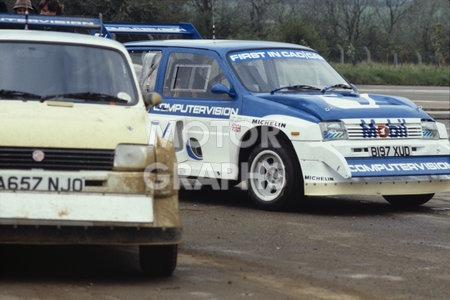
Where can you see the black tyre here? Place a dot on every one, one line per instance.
(275, 179)
(158, 261)
(405, 201)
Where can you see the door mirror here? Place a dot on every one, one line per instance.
(354, 88)
(219, 88)
(152, 99)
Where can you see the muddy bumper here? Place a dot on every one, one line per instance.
(32, 234)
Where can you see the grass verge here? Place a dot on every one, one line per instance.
(407, 74)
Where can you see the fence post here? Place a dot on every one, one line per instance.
(369, 58)
(419, 58)
(342, 53)
(395, 58)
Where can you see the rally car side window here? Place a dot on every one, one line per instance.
(146, 66)
(191, 75)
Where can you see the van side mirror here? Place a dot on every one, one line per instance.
(220, 88)
(152, 99)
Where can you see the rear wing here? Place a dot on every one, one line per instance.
(123, 32)
(57, 23)
(126, 32)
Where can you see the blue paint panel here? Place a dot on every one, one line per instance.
(399, 166)
(314, 104)
(306, 106)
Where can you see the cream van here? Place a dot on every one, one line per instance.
(77, 165)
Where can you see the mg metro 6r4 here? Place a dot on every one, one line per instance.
(280, 117)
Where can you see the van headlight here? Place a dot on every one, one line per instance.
(133, 157)
(333, 130)
(429, 130)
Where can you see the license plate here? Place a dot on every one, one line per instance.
(42, 183)
(384, 151)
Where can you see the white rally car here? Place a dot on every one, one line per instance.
(279, 116)
(76, 162)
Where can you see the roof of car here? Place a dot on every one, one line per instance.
(57, 37)
(219, 45)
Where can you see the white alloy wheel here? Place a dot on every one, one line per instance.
(267, 175)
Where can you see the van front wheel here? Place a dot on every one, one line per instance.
(158, 260)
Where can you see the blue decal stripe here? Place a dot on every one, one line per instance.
(165, 130)
(399, 166)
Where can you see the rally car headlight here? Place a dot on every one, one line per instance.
(333, 130)
(429, 130)
(132, 157)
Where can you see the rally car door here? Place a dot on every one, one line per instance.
(149, 65)
(205, 116)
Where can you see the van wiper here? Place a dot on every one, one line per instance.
(86, 96)
(18, 95)
(336, 86)
(295, 87)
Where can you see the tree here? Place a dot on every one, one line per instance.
(383, 26)
(389, 13)
(297, 32)
(202, 10)
(343, 22)
(421, 29)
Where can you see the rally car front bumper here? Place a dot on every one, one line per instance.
(344, 167)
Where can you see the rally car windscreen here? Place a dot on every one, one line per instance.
(265, 70)
(69, 72)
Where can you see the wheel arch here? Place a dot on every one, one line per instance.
(281, 136)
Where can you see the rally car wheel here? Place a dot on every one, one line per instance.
(159, 260)
(272, 181)
(408, 200)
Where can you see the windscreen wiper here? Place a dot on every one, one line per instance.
(296, 87)
(86, 96)
(18, 95)
(336, 86)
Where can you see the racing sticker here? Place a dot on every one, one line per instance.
(318, 178)
(269, 123)
(41, 20)
(390, 129)
(399, 166)
(196, 110)
(145, 28)
(273, 53)
(236, 127)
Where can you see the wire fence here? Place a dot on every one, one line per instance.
(380, 55)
